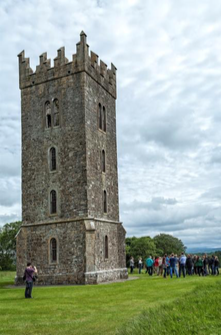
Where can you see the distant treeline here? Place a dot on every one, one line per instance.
(158, 246)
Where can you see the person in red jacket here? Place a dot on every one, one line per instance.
(156, 265)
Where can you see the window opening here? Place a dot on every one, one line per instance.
(105, 202)
(106, 246)
(103, 161)
(52, 159)
(48, 114)
(100, 116)
(104, 119)
(53, 199)
(53, 250)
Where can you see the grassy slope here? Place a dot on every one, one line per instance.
(87, 309)
(197, 313)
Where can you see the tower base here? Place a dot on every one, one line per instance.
(82, 256)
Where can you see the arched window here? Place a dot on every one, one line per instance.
(100, 116)
(56, 113)
(104, 119)
(48, 114)
(53, 202)
(105, 202)
(52, 159)
(106, 246)
(103, 163)
(53, 250)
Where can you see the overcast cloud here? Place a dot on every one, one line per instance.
(168, 56)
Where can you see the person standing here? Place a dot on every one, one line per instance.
(160, 266)
(213, 264)
(156, 265)
(173, 266)
(140, 264)
(149, 264)
(182, 265)
(189, 265)
(194, 264)
(168, 265)
(177, 263)
(205, 265)
(164, 265)
(216, 265)
(131, 265)
(29, 274)
(199, 265)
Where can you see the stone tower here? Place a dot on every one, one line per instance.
(70, 214)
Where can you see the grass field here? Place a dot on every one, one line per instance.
(148, 305)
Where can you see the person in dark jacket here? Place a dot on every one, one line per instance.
(213, 264)
(205, 265)
(216, 262)
(199, 265)
(164, 265)
(194, 264)
(29, 274)
(189, 265)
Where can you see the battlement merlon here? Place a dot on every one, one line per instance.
(81, 62)
(24, 68)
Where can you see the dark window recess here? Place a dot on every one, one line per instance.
(53, 199)
(52, 159)
(106, 246)
(103, 161)
(48, 114)
(104, 120)
(48, 121)
(105, 202)
(100, 116)
(53, 250)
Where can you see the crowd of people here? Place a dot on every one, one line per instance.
(170, 265)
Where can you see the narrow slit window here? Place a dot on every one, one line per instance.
(104, 119)
(105, 202)
(106, 246)
(53, 200)
(100, 116)
(103, 163)
(56, 113)
(53, 163)
(48, 114)
(53, 247)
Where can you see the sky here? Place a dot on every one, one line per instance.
(168, 56)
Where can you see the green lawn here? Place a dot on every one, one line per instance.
(100, 309)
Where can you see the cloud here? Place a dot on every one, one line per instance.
(168, 56)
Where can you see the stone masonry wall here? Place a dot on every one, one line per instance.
(70, 266)
(96, 141)
(69, 179)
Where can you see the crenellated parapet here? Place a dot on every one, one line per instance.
(82, 61)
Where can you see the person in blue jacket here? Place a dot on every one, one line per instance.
(149, 264)
(173, 268)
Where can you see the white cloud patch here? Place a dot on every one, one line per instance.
(168, 55)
